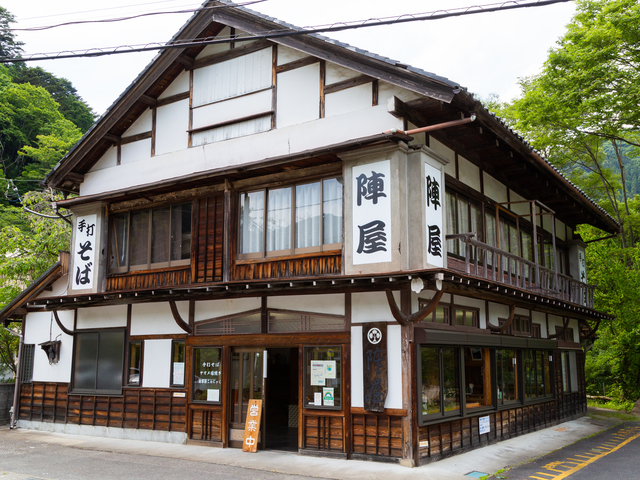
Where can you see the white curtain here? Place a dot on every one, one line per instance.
(251, 222)
(332, 211)
(279, 220)
(308, 215)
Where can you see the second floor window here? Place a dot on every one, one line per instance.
(146, 239)
(291, 220)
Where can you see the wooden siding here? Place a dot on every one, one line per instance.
(150, 279)
(149, 409)
(323, 432)
(207, 250)
(205, 423)
(312, 265)
(377, 435)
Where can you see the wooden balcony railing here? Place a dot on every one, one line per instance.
(491, 263)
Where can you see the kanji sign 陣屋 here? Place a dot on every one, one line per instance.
(372, 213)
(252, 426)
(84, 252)
(433, 214)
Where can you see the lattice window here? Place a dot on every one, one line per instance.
(28, 352)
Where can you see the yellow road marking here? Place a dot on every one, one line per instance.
(585, 456)
(590, 461)
(537, 478)
(547, 474)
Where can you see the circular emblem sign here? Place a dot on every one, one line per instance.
(374, 335)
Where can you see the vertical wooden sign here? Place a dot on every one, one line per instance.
(252, 426)
(374, 365)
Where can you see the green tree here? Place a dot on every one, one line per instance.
(9, 47)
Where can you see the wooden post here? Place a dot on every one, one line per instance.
(409, 444)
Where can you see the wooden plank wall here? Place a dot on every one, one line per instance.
(209, 240)
(149, 409)
(308, 266)
(377, 435)
(165, 277)
(323, 432)
(205, 423)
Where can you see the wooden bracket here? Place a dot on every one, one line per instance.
(176, 316)
(565, 324)
(61, 326)
(493, 328)
(415, 317)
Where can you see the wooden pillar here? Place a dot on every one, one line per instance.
(409, 422)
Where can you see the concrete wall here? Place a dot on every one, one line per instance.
(6, 400)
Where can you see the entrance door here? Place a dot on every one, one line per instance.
(247, 375)
(281, 393)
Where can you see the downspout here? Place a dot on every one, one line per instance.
(14, 409)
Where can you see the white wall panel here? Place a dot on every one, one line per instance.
(287, 55)
(371, 307)
(519, 208)
(349, 100)
(469, 173)
(496, 311)
(109, 159)
(298, 93)
(102, 317)
(554, 321)
(336, 73)
(541, 319)
(240, 33)
(37, 327)
(179, 85)
(135, 151)
(156, 370)
(58, 289)
(332, 304)
(172, 123)
(231, 78)
(473, 303)
(235, 108)
(221, 308)
(386, 90)
(141, 125)
(494, 189)
(446, 152)
(217, 47)
(561, 231)
(156, 318)
(235, 130)
(357, 387)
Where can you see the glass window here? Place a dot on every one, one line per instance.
(285, 321)
(466, 317)
(537, 374)
(98, 361)
(506, 376)
(150, 238)
(245, 322)
(477, 377)
(323, 377)
(463, 216)
(28, 352)
(296, 220)
(178, 352)
(135, 363)
(440, 385)
(207, 375)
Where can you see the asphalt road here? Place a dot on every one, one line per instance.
(24, 459)
(614, 453)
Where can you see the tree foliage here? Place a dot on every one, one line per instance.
(9, 46)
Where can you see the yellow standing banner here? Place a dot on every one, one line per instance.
(252, 426)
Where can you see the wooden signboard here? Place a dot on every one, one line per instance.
(252, 426)
(374, 366)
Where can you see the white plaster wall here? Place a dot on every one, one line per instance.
(109, 159)
(521, 311)
(37, 327)
(102, 317)
(335, 73)
(58, 288)
(469, 173)
(497, 310)
(179, 85)
(474, 303)
(298, 95)
(331, 304)
(218, 47)
(172, 123)
(240, 33)
(446, 152)
(371, 307)
(135, 151)
(519, 208)
(156, 372)
(349, 100)
(547, 224)
(494, 189)
(541, 319)
(418, 138)
(573, 323)
(561, 230)
(234, 108)
(288, 55)
(156, 318)
(394, 360)
(554, 321)
(234, 130)
(221, 308)
(386, 90)
(142, 124)
(573, 367)
(283, 141)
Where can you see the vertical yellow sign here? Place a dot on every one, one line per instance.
(252, 426)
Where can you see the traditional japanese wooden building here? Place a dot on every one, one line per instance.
(357, 242)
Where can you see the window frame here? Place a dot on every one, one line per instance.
(193, 375)
(443, 414)
(172, 383)
(73, 388)
(306, 375)
(148, 266)
(292, 250)
(128, 367)
(27, 362)
(449, 313)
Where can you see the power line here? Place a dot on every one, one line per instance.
(130, 17)
(287, 32)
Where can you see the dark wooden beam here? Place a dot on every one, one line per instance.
(176, 316)
(61, 326)
(185, 61)
(147, 100)
(493, 328)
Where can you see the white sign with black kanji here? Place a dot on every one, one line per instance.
(434, 195)
(84, 252)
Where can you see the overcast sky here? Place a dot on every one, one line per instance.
(486, 53)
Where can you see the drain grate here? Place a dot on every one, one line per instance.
(476, 474)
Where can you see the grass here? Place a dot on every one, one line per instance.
(623, 416)
(612, 405)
